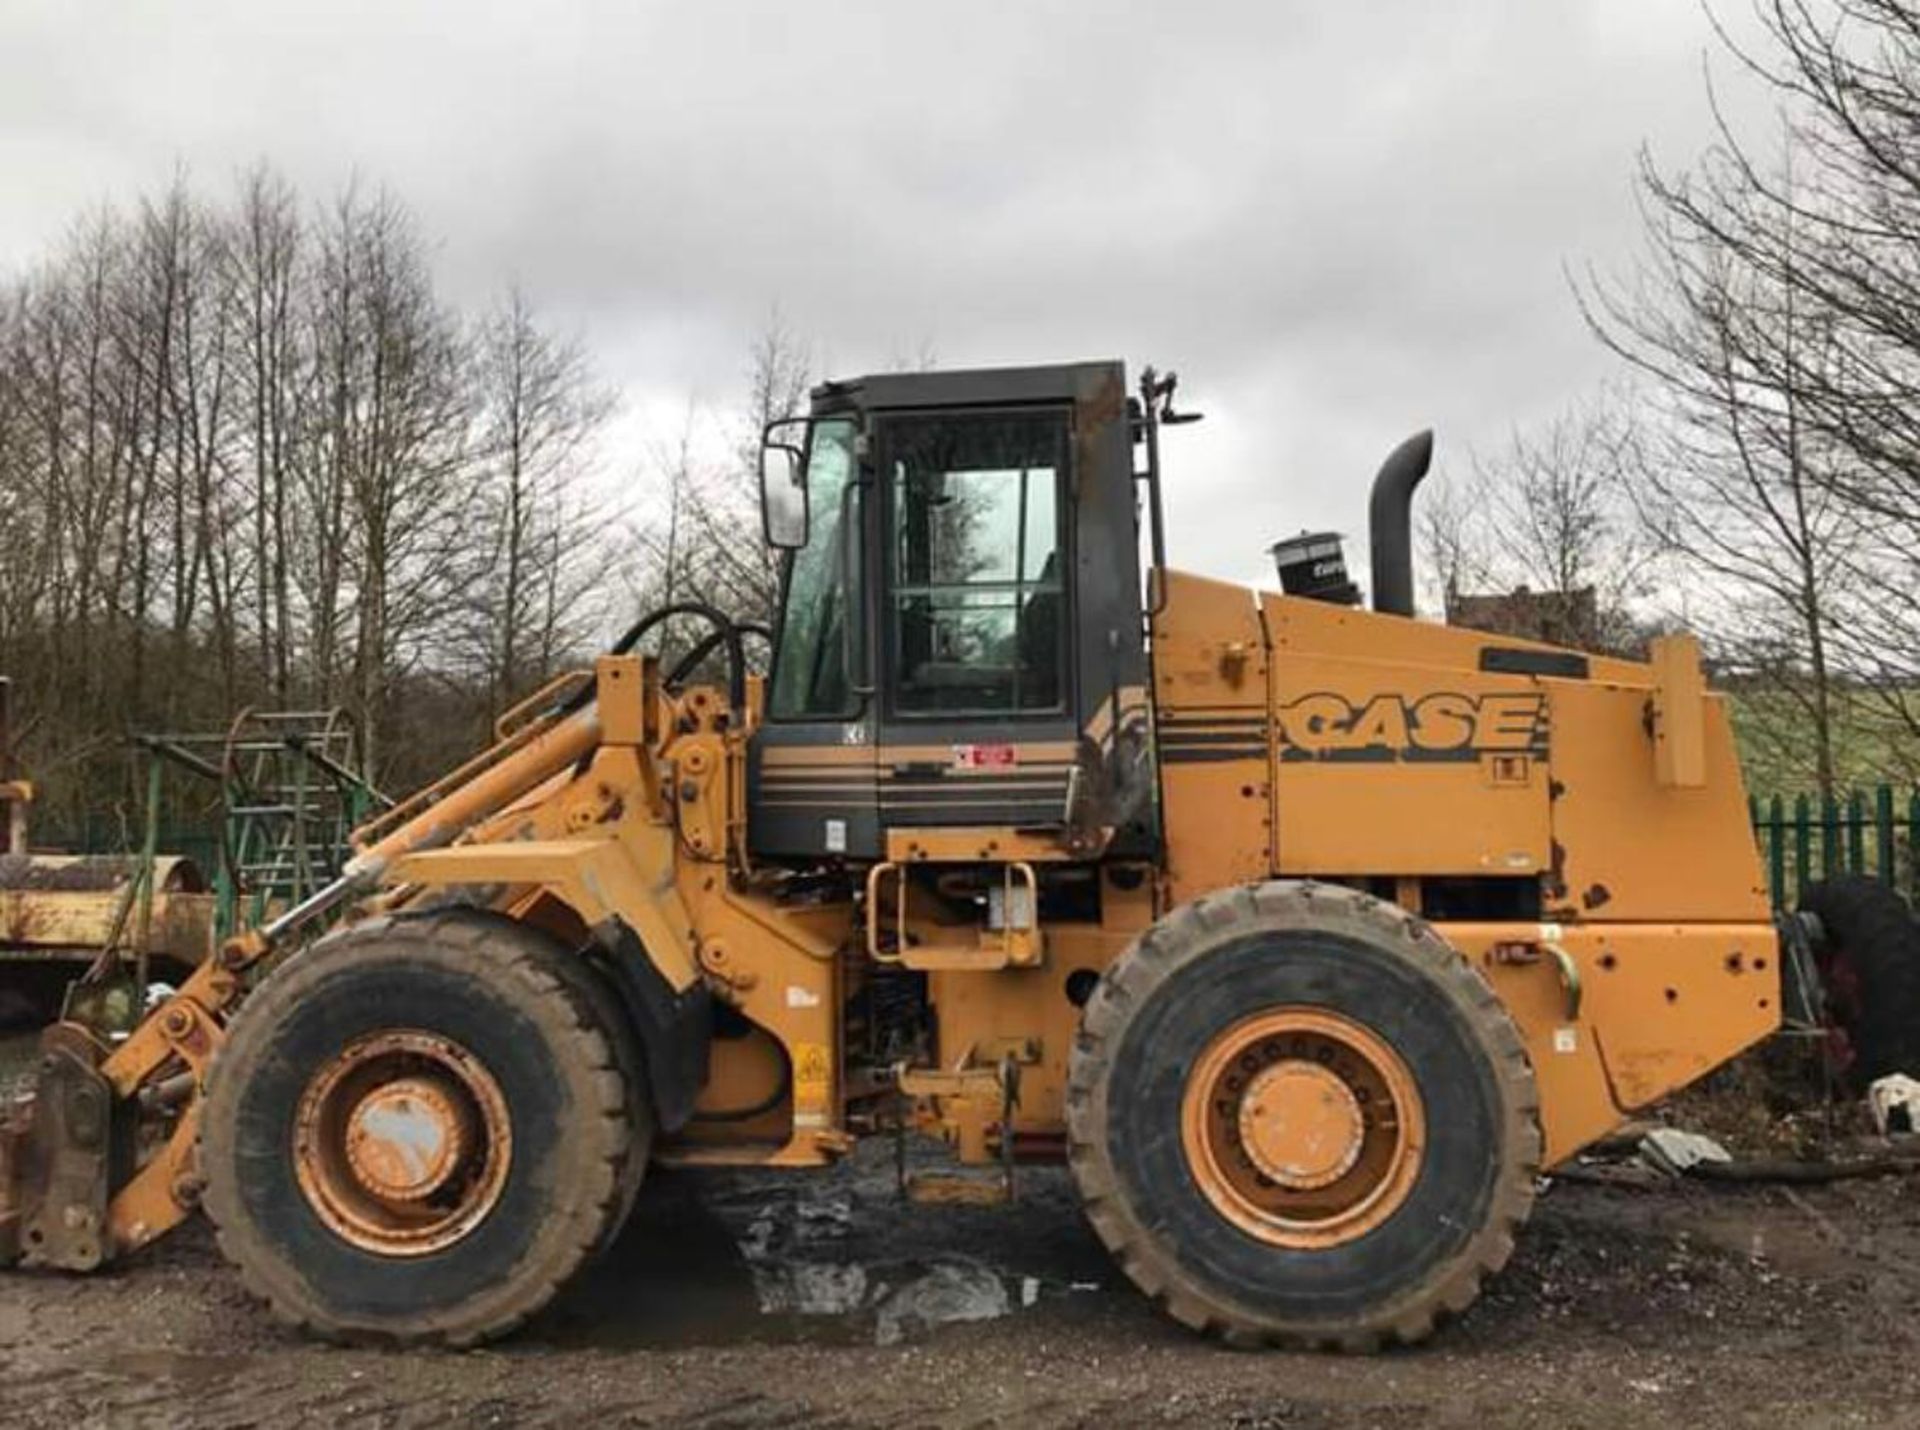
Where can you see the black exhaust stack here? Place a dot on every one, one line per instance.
(1390, 519)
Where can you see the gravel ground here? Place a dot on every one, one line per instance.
(757, 1300)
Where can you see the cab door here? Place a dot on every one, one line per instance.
(811, 776)
(977, 707)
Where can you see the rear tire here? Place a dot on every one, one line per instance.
(1239, 1041)
(1869, 962)
(494, 1021)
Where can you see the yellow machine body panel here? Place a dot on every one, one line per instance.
(1211, 697)
(1395, 756)
(1352, 736)
(1632, 848)
(1596, 801)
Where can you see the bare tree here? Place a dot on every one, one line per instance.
(1733, 488)
(269, 247)
(705, 544)
(250, 455)
(1539, 538)
(745, 573)
(1774, 314)
(541, 410)
(1454, 537)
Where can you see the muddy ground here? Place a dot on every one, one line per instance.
(768, 1300)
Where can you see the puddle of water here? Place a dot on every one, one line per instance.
(948, 1292)
(806, 1288)
(832, 1257)
(795, 1243)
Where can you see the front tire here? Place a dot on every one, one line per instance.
(419, 1130)
(1297, 1117)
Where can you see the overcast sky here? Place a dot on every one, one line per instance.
(1337, 221)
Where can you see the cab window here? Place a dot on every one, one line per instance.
(976, 568)
(810, 676)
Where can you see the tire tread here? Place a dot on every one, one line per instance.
(1187, 934)
(1876, 931)
(527, 965)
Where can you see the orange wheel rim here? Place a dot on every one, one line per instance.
(402, 1143)
(1303, 1127)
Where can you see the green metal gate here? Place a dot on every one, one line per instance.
(1805, 837)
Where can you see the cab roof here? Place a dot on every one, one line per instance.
(970, 387)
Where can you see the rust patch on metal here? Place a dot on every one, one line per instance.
(402, 1143)
(1557, 871)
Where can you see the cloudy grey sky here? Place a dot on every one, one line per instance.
(1338, 221)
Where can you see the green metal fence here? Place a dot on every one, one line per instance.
(1805, 837)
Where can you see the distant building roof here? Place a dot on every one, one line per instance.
(1556, 617)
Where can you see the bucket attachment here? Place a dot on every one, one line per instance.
(56, 1151)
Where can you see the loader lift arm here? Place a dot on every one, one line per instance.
(67, 1196)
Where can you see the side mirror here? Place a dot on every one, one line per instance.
(783, 483)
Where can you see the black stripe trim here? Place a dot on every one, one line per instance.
(1211, 757)
(1513, 660)
(918, 781)
(1380, 755)
(1034, 770)
(952, 804)
(939, 807)
(952, 781)
(1204, 742)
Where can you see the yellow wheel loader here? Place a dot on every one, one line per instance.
(1309, 935)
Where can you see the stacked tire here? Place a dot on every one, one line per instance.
(1867, 952)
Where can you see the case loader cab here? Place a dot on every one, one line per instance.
(960, 632)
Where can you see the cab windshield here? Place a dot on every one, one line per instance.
(810, 674)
